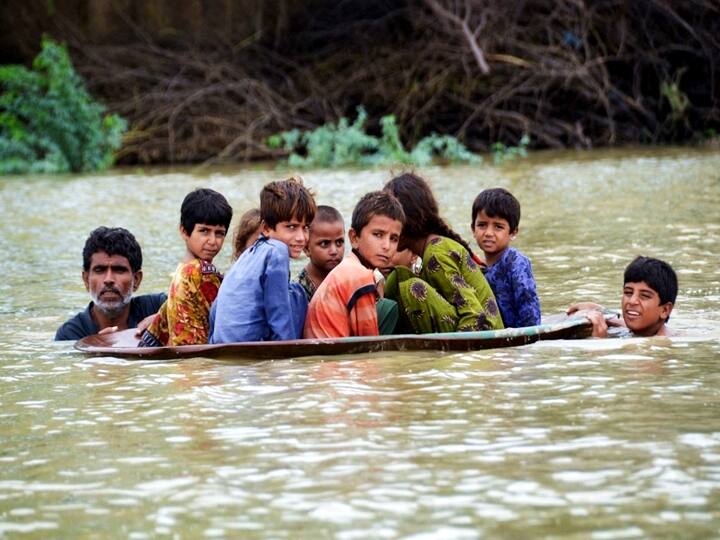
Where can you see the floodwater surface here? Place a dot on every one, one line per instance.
(566, 439)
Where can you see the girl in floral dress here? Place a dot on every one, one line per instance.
(451, 293)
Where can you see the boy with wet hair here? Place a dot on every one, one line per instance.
(325, 248)
(112, 272)
(256, 301)
(183, 319)
(495, 221)
(650, 288)
(345, 302)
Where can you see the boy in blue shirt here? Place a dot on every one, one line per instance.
(495, 220)
(257, 301)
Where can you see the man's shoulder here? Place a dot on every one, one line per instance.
(76, 327)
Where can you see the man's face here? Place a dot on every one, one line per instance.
(642, 311)
(111, 282)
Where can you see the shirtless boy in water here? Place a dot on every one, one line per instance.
(649, 292)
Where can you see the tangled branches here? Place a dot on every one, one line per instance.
(568, 73)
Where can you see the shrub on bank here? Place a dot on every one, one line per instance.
(48, 121)
(335, 145)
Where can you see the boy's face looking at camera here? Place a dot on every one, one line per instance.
(205, 241)
(641, 308)
(493, 235)
(377, 241)
(293, 233)
(326, 244)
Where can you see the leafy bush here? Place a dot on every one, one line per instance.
(48, 121)
(334, 145)
(502, 153)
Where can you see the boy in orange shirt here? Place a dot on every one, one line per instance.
(345, 302)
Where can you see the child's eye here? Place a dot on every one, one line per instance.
(339, 243)
(324, 244)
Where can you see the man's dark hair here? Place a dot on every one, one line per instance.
(113, 241)
(658, 274)
(497, 202)
(206, 206)
(376, 203)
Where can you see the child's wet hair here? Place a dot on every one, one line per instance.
(658, 274)
(328, 214)
(206, 206)
(284, 200)
(249, 224)
(497, 202)
(376, 203)
(421, 209)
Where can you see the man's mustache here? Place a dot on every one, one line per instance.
(110, 290)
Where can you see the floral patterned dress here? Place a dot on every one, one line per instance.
(184, 317)
(450, 294)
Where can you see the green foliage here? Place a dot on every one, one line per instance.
(48, 121)
(334, 145)
(676, 98)
(502, 153)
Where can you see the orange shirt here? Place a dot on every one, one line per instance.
(344, 303)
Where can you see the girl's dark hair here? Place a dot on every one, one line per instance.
(422, 216)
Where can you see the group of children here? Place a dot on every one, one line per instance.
(407, 270)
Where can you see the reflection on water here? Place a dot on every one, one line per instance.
(593, 438)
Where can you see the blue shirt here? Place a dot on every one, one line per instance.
(256, 301)
(82, 324)
(512, 281)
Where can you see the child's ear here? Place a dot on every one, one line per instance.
(354, 239)
(665, 310)
(183, 232)
(514, 233)
(265, 229)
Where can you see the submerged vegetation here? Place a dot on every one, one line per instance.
(345, 143)
(48, 121)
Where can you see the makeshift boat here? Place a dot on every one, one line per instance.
(124, 344)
